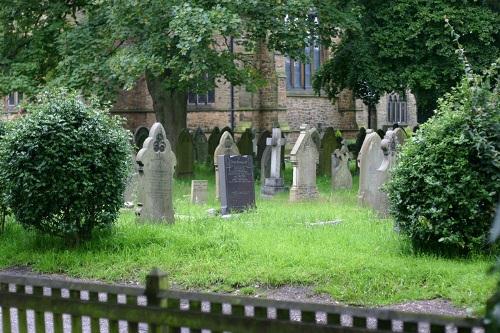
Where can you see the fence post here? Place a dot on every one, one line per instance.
(156, 281)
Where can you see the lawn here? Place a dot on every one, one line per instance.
(360, 260)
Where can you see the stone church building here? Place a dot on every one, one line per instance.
(288, 99)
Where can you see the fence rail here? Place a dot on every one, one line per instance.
(84, 306)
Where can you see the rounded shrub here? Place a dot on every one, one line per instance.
(445, 187)
(63, 166)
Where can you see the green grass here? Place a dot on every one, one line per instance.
(360, 261)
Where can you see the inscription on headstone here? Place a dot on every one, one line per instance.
(237, 190)
(199, 191)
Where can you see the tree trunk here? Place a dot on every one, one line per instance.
(170, 107)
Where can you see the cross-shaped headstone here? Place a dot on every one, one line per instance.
(276, 141)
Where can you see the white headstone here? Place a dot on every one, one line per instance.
(274, 183)
(156, 168)
(226, 146)
(199, 191)
(341, 175)
(369, 160)
(305, 157)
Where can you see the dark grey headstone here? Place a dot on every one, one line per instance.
(237, 190)
(200, 146)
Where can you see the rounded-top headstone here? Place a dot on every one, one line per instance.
(245, 144)
(261, 144)
(200, 146)
(140, 135)
(213, 142)
(329, 143)
(185, 154)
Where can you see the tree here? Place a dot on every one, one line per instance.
(101, 46)
(404, 44)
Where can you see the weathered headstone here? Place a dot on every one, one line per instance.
(130, 193)
(265, 164)
(199, 191)
(213, 142)
(329, 143)
(185, 155)
(254, 141)
(304, 157)
(200, 146)
(245, 144)
(400, 136)
(237, 190)
(341, 175)
(141, 134)
(369, 160)
(226, 147)
(274, 183)
(156, 163)
(261, 145)
(227, 129)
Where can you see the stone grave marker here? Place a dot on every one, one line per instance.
(130, 193)
(200, 146)
(237, 188)
(213, 142)
(254, 141)
(329, 143)
(341, 175)
(304, 157)
(227, 129)
(261, 145)
(226, 147)
(140, 134)
(399, 136)
(274, 183)
(156, 164)
(369, 160)
(185, 155)
(245, 144)
(265, 164)
(199, 191)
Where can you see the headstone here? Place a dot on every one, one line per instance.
(341, 175)
(369, 160)
(200, 146)
(265, 164)
(400, 136)
(254, 141)
(199, 191)
(156, 163)
(304, 157)
(227, 129)
(213, 142)
(129, 195)
(262, 144)
(226, 147)
(237, 190)
(140, 134)
(245, 144)
(329, 143)
(274, 183)
(185, 155)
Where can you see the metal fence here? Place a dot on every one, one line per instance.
(36, 304)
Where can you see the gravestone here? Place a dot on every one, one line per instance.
(226, 147)
(185, 155)
(141, 133)
(227, 129)
(329, 143)
(400, 136)
(254, 141)
(341, 175)
(245, 144)
(200, 146)
(369, 160)
(265, 164)
(237, 188)
(213, 142)
(274, 183)
(130, 193)
(261, 145)
(304, 157)
(199, 191)
(156, 164)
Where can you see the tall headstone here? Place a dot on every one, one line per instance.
(369, 160)
(156, 163)
(227, 129)
(304, 157)
(199, 191)
(400, 136)
(140, 134)
(245, 144)
(274, 183)
(329, 143)
(226, 147)
(213, 142)
(130, 193)
(262, 144)
(237, 190)
(341, 175)
(185, 154)
(265, 164)
(200, 146)
(254, 141)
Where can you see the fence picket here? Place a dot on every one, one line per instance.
(57, 318)
(39, 315)
(6, 324)
(95, 326)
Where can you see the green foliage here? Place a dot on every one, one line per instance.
(404, 44)
(64, 165)
(444, 190)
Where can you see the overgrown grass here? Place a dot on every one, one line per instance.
(359, 261)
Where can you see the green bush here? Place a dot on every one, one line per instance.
(63, 166)
(445, 187)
